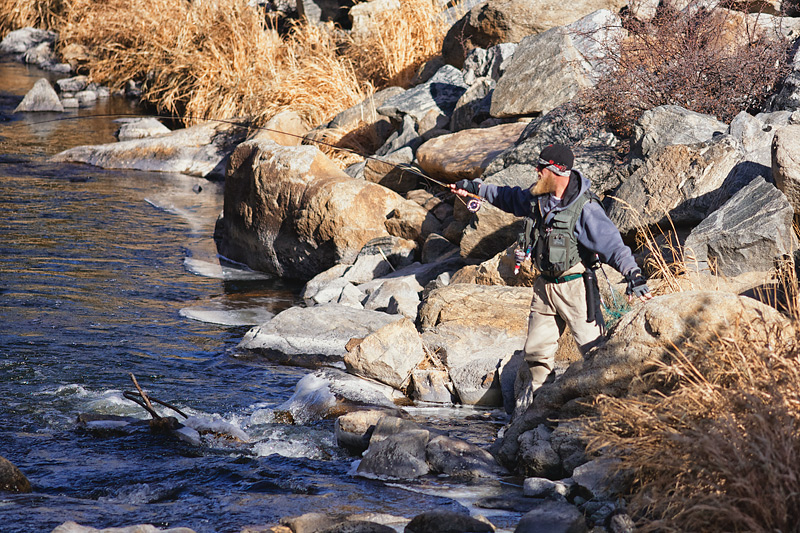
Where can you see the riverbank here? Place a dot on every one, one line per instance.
(437, 279)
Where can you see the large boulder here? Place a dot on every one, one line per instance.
(755, 135)
(439, 94)
(670, 124)
(41, 98)
(678, 183)
(467, 153)
(510, 21)
(786, 163)
(200, 150)
(548, 69)
(552, 517)
(291, 212)
(308, 336)
(746, 234)
(388, 355)
(644, 336)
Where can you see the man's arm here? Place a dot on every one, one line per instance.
(595, 231)
(515, 200)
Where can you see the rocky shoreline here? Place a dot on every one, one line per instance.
(415, 296)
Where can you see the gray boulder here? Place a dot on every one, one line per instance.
(678, 183)
(600, 478)
(670, 124)
(41, 55)
(755, 135)
(307, 336)
(140, 128)
(19, 41)
(550, 68)
(201, 150)
(788, 98)
(539, 487)
(431, 385)
(488, 63)
(354, 430)
(399, 456)
(388, 355)
(11, 479)
(745, 234)
(72, 85)
(41, 98)
(457, 458)
(387, 170)
(440, 93)
(537, 456)
(447, 522)
(552, 517)
(473, 108)
(786, 163)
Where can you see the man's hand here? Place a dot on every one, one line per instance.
(637, 286)
(465, 188)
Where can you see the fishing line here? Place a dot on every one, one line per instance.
(473, 204)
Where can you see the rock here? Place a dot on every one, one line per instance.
(306, 336)
(358, 526)
(786, 163)
(354, 430)
(366, 16)
(387, 355)
(400, 456)
(291, 212)
(388, 170)
(19, 41)
(446, 522)
(200, 150)
(481, 361)
(431, 385)
(359, 391)
(467, 153)
(414, 276)
(308, 522)
(441, 92)
(473, 108)
(41, 98)
(380, 298)
(437, 248)
(788, 98)
(600, 478)
(552, 517)
(679, 184)
(755, 135)
(670, 124)
(11, 479)
(140, 128)
(404, 303)
(457, 458)
(548, 69)
(510, 21)
(503, 308)
(537, 456)
(286, 128)
(745, 234)
(488, 63)
(316, 11)
(648, 333)
(73, 527)
(72, 85)
(537, 487)
(569, 442)
(364, 112)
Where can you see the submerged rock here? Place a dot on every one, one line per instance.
(73, 527)
(11, 479)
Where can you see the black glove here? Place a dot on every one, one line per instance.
(468, 185)
(637, 285)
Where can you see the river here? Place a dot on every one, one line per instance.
(100, 272)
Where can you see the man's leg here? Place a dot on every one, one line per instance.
(544, 330)
(569, 300)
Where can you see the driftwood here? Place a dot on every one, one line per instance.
(158, 424)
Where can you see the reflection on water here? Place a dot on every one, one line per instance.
(101, 275)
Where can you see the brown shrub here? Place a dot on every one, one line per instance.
(15, 14)
(715, 444)
(714, 61)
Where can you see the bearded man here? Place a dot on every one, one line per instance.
(567, 230)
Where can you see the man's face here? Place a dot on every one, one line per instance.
(545, 184)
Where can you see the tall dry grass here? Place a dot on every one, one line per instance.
(43, 14)
(223, 59)
(715, 443)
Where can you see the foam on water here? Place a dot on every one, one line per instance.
(289, 441)
(209, 269)
(312, 399)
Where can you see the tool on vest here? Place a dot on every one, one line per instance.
(524, 247)
(594, 300)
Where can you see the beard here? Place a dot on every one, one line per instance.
(545, 185)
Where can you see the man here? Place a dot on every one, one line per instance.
(569, 231)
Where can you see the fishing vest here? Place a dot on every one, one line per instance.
(554, 248)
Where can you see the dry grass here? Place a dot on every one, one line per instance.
(714, 445)
(15, 14)
(223, 59)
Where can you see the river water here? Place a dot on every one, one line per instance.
(101, 273)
